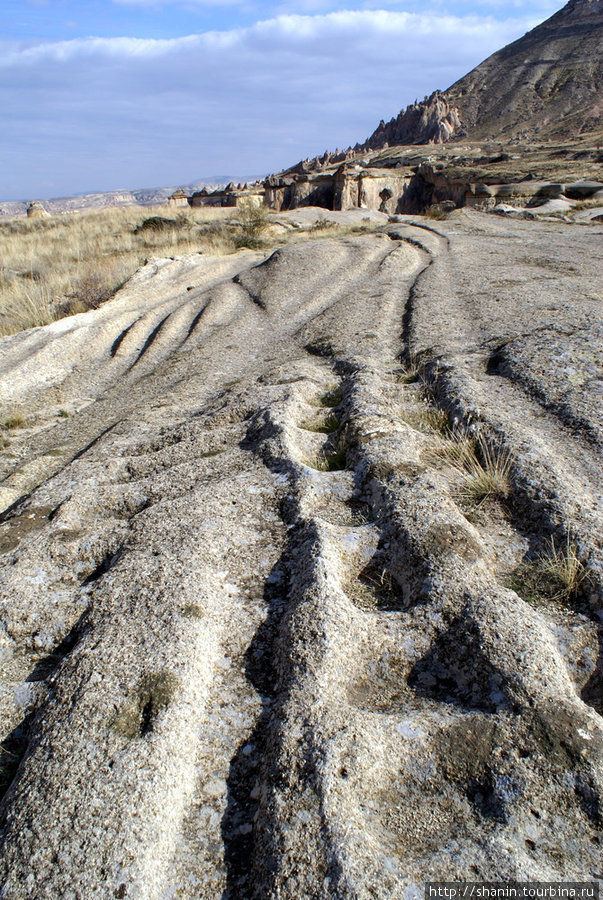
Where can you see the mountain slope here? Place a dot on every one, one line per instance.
(548, 82)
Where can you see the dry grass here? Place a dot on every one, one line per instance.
(50, 268)
(14, 421)
(435, 212)
(333, 455)
(458, 448)
(63, 265)
(328, 460)
(556, 575)
(322, 224)
(562, 569)
(486, 471)
(428, 419)
(411, 370)
(252, 220)
(330, 399)
(324, 425)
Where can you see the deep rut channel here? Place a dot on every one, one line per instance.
(269, 635)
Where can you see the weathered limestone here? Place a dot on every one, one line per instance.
(231, 195)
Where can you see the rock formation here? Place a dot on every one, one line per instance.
(179, 198)
(547, 83)
(432, 121)
(36, 210)
(266, 632)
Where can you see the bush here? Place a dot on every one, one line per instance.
(156, 223)
(252, 222)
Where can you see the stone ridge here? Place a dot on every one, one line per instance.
(432, 121)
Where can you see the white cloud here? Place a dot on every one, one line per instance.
(98, 113)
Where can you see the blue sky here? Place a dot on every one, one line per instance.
(118, 94)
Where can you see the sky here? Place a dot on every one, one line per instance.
(101, 95)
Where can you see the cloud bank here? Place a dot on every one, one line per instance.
(107, 113)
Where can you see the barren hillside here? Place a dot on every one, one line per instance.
(549, 82)
(301, 571)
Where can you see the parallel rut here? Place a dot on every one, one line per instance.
(295, 668)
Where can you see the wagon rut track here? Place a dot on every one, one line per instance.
(294, 666)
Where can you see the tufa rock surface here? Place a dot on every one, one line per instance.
(257, 642)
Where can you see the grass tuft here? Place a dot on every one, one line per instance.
(322, 224)
(458, 448)
(435, 212)
(326, 425)
(486, 472)
(411, 370)
(329, 461)
(14, 421)
(330, 399)
(557, 575)
(428, 419)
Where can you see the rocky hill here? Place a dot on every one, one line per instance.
(548, 83)
(432, 121)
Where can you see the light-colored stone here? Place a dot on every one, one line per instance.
(262, 679)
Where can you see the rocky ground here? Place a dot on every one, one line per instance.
(263, 634)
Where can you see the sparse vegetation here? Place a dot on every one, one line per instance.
(410, 371)
(329, 460)
(435, 211)
(330, 399)
(458, 448)
(54, 267)
(62, 265)
(376, 587)
(154, 694)
(486, 471)
(556, 575)
(14, 421)
(428, 419)
(326, 425)
(252, 221)
(322, 224)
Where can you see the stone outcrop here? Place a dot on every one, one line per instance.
(547, 84)
(230, 196)
(432, 121)
(179, 198)
(36, 210)
(406, 188)
(347, 187)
